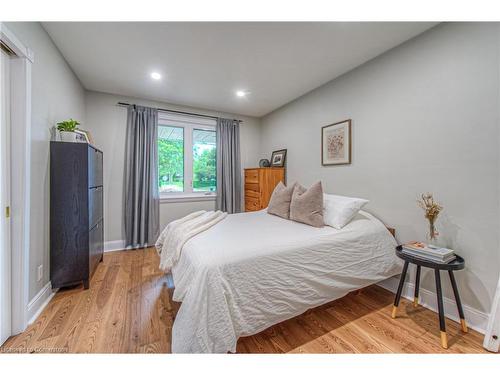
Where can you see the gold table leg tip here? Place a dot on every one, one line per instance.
(464, 325)
(415, 302)
(444, 340)
(394, 309)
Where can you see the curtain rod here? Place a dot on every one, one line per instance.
(122, 104)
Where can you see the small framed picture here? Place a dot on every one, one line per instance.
(84, 136)
(336, 143)
(278, 158)
(81, 137)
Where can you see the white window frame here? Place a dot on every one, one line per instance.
(188, 123)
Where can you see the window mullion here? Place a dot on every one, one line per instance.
(188, 159)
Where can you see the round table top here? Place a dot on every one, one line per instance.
(457, 264)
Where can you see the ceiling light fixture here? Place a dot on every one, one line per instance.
(156, 76)
(240, 93)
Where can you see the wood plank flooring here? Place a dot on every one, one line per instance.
(129, 309)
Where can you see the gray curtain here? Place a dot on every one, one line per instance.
(142, 199)
(228, 166)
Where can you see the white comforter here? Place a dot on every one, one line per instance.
(253, 270)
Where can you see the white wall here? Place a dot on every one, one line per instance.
(107, 123)
(425, 117)
(56, 95)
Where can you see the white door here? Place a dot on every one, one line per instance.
(5, 248)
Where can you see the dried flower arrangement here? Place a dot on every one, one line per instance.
(432, 210)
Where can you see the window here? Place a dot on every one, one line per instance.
(171, 159)
(186, 157)
(204, 153)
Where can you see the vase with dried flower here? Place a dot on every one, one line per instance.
(431, 212)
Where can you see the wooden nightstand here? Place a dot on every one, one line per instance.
(455, 265)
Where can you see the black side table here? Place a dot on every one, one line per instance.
(455, 265)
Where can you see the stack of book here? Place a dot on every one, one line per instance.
(428, 252)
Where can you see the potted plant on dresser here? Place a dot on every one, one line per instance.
(67, 130)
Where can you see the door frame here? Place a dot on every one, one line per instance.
(20, 136)
(5, 248)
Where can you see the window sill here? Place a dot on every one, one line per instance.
(174, 198)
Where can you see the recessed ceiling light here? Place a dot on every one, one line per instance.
(241, 93)
(156, 76)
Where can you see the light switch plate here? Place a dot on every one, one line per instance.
(40, 272)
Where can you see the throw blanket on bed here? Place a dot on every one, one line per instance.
(171, 241)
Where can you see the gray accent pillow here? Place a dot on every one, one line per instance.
(279, 204)
(307, 205)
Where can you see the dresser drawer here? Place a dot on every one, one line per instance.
(252, 204)
(252, 187)
(95, 205)
(251, 176)
(252, 194)
(95, 167)
(96, 246)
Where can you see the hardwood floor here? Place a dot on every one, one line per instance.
(128, 309)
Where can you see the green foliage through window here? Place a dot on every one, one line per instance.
(204, 160)
(171, 161)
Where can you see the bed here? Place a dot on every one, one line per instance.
(253, 270)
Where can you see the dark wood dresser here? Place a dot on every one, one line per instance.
(259, 186)
(76, 212)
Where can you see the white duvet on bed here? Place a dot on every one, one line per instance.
(253, 270)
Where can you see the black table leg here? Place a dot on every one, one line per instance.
(400, 289)
(417, 286)
(442, 324)
(457, 300)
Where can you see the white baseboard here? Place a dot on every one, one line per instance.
(119, 245)
(477, 320)
(40, 301)
(114, 245)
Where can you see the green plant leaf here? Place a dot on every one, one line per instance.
(67, 125)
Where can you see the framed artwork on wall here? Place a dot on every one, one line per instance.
(336, 143)
(278, 158)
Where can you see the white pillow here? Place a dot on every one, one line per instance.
(338, 210)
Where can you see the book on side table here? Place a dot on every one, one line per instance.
(429, 252)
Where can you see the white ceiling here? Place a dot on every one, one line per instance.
(203, 64)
